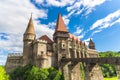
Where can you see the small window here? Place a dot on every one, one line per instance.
(42, 52)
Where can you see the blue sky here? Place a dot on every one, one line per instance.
(96, 19)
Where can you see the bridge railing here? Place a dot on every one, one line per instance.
(105, 60)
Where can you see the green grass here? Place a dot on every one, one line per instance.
(113, 78)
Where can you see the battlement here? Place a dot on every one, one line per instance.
(40, 41)
(92, 51)
(15, 55)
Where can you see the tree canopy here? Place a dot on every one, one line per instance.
(34, 73)
(3, 75)
(109, 69)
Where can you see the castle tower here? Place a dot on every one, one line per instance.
(28, 38)
(91, 44)
(60, 37)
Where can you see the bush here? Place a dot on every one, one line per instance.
(33, 73)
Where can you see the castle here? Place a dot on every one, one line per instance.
(44, 52)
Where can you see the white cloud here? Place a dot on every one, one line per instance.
(15, 15)
(106, 22)
(97, 31)
(59, 3)
(81, 36)
(3, 56)
(112, 18)
(2, 62)
(84, 5)
(39, 1)
(66, 20)
(78, 31)
(43, 29)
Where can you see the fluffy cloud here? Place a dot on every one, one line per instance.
(57, 3)
(108, 21)
(84, 5)
(2, 62)
(79, 32)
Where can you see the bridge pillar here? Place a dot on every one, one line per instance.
(117, 67)
(75, 72)
(71, 71)
(93, 72)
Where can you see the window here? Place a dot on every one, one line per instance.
(42, 52)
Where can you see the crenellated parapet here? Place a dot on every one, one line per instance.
(39, 41)
(15, 55)
(14, 60)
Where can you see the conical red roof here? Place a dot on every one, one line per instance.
(60, 25)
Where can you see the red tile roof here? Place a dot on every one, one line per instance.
(46, 38)
(60, 25)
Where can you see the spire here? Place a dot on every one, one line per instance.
(60, 25)
(91, 44)
(30, 27)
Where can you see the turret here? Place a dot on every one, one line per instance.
(91, 44)
(28, 38)
(61, 30)
(29, 34)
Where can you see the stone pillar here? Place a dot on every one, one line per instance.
(74, 71)
(71, 71)
(93, 72)
(117, 67)
(64, 68)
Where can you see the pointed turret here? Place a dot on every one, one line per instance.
(60, 25)
(30, 27)
(29, 37)
(60, 28)
(29, 33)
(91, 44)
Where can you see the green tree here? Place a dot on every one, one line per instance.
(108, 69)
(34, 73)
(3, 74)
(54, 74)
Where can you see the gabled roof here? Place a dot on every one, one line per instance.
(60, 25)
(30, 27)
(46, 38)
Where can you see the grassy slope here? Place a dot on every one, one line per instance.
(113, 78)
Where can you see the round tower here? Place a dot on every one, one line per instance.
(28, 38)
